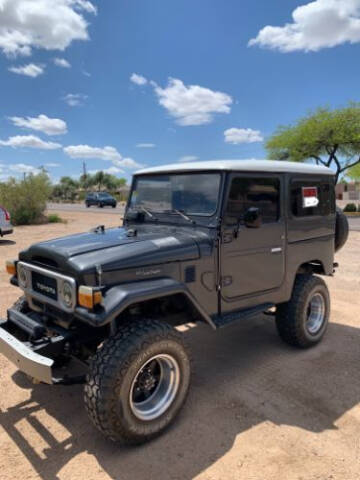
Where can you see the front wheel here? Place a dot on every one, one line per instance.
(138, 381)
(303, 320)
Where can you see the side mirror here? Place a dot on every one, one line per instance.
(253, 218)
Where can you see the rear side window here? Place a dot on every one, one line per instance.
(246, 192)
(309, 198)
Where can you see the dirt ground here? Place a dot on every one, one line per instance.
(258, 409)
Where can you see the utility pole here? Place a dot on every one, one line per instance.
(84, 170)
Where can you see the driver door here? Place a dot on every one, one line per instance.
(252, 259)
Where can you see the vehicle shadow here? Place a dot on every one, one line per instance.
(244, 376)
(7, 242)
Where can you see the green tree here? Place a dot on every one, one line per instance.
(328, 137)
(101, 180)
(66, 189)
(354, 172)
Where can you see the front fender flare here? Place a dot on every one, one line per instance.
(120, 297)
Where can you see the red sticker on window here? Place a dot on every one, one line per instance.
(310, 197)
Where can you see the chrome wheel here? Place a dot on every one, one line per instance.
(315, 314)
(155, 387)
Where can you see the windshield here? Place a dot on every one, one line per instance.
(194, 194)
(104, 195)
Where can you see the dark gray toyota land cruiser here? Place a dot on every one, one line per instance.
(213, 242)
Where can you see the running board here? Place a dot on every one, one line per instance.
(229, 318)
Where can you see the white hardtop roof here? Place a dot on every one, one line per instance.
(240, 166)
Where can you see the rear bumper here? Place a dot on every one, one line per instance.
(29, 362)
(6, 231)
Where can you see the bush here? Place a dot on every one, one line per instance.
(55, 218)
(350, 207)
(26, 199)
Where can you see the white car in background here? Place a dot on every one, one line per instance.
(5, 226)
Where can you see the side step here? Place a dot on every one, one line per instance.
(229, 318)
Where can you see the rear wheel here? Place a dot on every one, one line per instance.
(138, 381)
(303, 320)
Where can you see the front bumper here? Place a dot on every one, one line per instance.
(29, 362)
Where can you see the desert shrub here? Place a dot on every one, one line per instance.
(350, 207)
(26, 199)
(55, 218)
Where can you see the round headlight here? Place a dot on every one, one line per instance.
(67, 294)
(23, 276)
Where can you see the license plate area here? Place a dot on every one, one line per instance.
(44, 285)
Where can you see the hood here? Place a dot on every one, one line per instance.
(115, 249)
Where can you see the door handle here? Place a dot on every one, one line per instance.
(276, 250)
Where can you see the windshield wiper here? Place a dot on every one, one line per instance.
(145, 210)
(182, 214)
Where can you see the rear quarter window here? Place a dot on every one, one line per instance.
(320, 190)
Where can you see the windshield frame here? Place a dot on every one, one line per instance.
(163, 216)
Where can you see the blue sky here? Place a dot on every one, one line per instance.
(200, 89)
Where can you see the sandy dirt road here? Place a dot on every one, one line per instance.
(258, 410)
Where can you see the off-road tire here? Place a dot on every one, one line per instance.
(291, 317)
(113, 370)
(341, 229)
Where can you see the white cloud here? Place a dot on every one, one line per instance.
(85, 151)
(138, 79)
(188, 158)
(316, 25)
(191, 105)
(52, 165)
(75, 99)
(29, 141)
(242, 135)
(30, 70)
(127, 163)
(23, 168)
(42, 123)
(102, 153)
(61, 62)
(146, 145)
(45, 24)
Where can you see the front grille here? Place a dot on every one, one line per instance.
(44, 285)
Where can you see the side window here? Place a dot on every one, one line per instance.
(309, 198)
(246, 192)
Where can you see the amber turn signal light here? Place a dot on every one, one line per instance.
(11, 267)
(88, 297)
